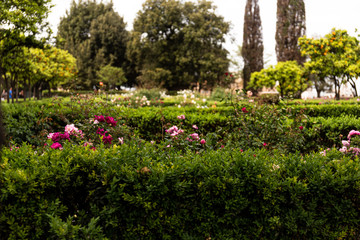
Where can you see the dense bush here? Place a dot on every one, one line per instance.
(142, 192)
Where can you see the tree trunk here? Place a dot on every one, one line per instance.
(17, 91)
(34, 94)
(1, 88)
(2, 131)
(353, 85)
(337, 85)
(7, 88)
(29, 90)
(318, 92)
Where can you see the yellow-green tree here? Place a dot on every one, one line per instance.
(51, 67)
(335, 57)
(287, 77)
(21, 22)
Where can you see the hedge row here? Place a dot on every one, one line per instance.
(26, 122)
(140, 192)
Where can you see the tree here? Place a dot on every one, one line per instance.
(253, 49)
(20, 22)
(49, 67)
(112, 76)
(185, 39)
(336, 57)
(290, 26)
(96, 36)
(286, 77)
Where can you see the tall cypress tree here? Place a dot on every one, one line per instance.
(253, 48)
(290, 26)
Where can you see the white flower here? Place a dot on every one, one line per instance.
(121, 140)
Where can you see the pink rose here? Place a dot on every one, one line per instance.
(181, 117)
(56, 145)
(203, 141)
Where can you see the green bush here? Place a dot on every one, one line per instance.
(138, 192)
(153, 93)
(220, 94)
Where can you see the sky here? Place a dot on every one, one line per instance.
(321, 17)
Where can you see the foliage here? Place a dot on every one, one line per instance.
(21, 22)
(220, 94)
(51, 66)
(153, 77)
(96, 36)
(336, 56)
(269, 127)
(252, 49)
(290, 25)
(137, 192)
(182, 41)
(112, 76)
(288, 75)
(149, 117)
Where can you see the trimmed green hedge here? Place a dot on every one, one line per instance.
(141, 192)
(26, 122)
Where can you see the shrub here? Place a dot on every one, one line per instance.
(268, 126)
(137, 192)
(220, 94)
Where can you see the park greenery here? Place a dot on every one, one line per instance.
(90, 160)
(121, 166)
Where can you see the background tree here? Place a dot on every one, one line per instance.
(335, 57)
(286, 77)
(20, 22)
(290, 26)
(252, 49)
(112, 76)
(96, 36)
(185, 39)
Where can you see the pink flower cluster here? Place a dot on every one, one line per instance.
(193, 137)
(353, 133)
(182, 117)
(74, 131)
(70, 130)
(106, 139)
(56, 137)
(108, 120)
(347, 144)
(174, 131)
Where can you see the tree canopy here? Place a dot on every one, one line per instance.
(287, 77)
(21, 22)
(184, 41)
(335, 56)
(96, 36)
